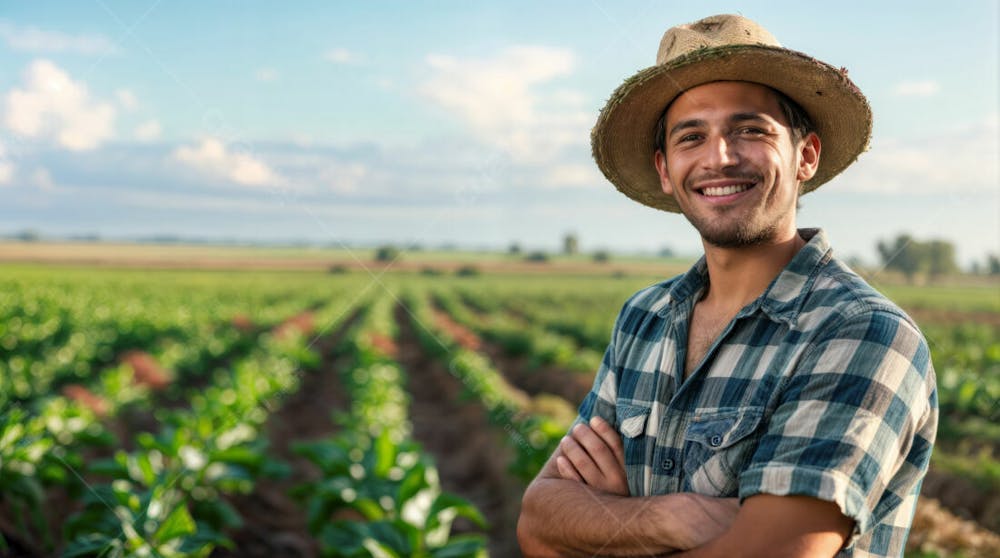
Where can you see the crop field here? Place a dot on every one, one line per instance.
(254, 413)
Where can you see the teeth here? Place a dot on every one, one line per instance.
(725, 190)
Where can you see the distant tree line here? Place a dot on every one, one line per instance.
(931, 258)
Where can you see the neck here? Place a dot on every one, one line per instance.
(740, 275)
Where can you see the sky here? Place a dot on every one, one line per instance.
(450, 122)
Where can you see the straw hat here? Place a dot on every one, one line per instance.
(724, 48)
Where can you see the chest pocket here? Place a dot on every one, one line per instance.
(717, 447)
(632, 426)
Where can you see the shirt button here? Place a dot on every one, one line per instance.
(716, 441)
(668, 464)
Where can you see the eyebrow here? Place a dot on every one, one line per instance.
(735, 118)
(683, 124)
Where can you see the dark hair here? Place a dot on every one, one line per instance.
(799, 122)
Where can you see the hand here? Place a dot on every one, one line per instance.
(594, 456)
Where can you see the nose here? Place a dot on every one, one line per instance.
(721, 152)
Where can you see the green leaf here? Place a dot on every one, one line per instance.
(462, 507)
(91, 545)
(414, 481)
(392, 536)
(385, 454)
(462, 546)
(344, 537)
(178, 524)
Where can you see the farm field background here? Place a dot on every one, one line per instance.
(279, 409)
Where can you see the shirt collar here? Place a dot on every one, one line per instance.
(783, 298)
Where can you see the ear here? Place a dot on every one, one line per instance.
(660, 161)
(809, 151)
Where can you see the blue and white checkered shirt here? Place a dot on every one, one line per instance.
(820, 387)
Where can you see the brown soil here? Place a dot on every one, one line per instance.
(303, 323)
(147, 371)
(534, 380)
(243, 323)
(274, 523)
(461, 334)
(944, 316)
(471, 456)
(384, 345)
(935, 529)
(964, 498)
(87, 398)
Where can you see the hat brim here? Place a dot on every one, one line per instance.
(623, 140)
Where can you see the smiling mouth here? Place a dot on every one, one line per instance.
(717, 191)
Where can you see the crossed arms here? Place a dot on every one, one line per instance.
(578, 505)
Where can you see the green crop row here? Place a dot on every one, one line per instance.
(521, 337)
(379, 493)
(534, 436)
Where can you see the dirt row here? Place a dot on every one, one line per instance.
(471, 455)
(274, 523)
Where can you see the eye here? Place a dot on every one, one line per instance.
(750, 131)
(687, 138)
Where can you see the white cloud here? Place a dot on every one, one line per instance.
(33, 39)
(127, 99)
(955, 162)
(213, 156)
(266, 74)
(341, 56)
(148, 131)
(503, 102)
(42, 179)
(6, 167)
(343, 178)
(53, 106)
(573, 175)
(925, 88)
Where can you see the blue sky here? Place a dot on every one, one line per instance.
(450, 122)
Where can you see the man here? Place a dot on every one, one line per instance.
(768, 402)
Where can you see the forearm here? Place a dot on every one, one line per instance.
(567, 518)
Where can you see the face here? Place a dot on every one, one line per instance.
(731, 163)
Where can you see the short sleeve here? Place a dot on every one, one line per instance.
(854, 423)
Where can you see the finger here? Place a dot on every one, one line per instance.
(611, 437)
(581, 460)
(598, 449)
(567, 470)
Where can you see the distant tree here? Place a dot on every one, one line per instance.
(902, 255)
(939, 256)
(910, 256)
(386, 253)
(993, 264)
(537, 257)
(514, 249)
(602, 256)
(467, 271)
(28, 235)
(571, 244)
(666, 252)
(975, 268)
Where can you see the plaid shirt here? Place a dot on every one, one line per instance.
(819, 387)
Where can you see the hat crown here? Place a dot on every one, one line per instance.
(710, 32)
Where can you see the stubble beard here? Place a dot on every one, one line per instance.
(738, 231)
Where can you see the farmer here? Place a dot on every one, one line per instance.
(768, 402)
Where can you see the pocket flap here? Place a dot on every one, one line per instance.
(632, 419)
(721, 429)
